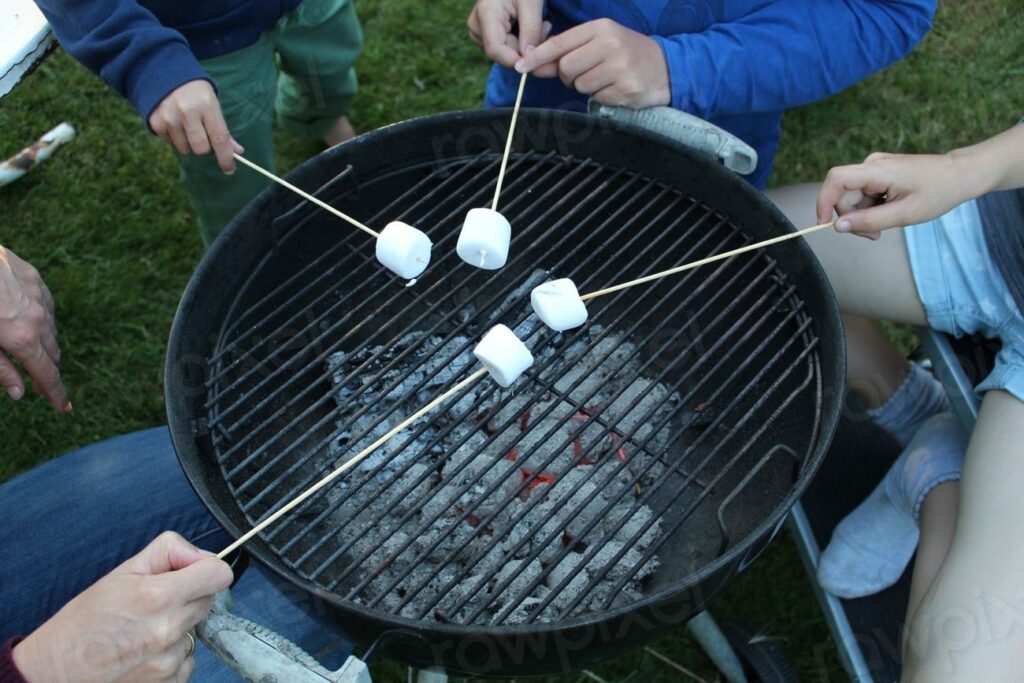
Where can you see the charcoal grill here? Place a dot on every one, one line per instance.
(747, 356)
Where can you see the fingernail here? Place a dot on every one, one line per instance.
(231, 172)
(69, 408)
(521, 66)
(530, 48)
(843, 226)
(15, 392)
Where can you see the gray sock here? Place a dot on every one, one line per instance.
(918, 398)
(871, 547)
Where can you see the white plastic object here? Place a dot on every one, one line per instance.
(403, 249)
(484, 239)
(503, 354)
(558, 304)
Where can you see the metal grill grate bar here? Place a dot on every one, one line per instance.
(544, 387)
(274, 415)
(326, 397)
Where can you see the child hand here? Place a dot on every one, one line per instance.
(131, 624)
(614, 64)
(891, 190)
(190, 120)
(490, 27)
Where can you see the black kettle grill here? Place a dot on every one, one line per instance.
(634, 498)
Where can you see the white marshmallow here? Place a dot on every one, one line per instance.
(484, 239)
(558, 304)
(503, 354)
(403, 249)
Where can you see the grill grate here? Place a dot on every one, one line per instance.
(733, 341)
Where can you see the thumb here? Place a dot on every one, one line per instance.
(10, 378)
(167, 553)
(202, 579)
(873, 219)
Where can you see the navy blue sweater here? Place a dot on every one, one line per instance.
(741, 63)
(145, 49)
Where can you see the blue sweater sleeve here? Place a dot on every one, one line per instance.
(789, 52)
(126, 45)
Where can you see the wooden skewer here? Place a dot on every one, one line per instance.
(351, 462)
(305, 195)
(704, 262)
(508, 143)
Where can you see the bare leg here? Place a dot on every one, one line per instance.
(938, 518)
(870, 279)
(970, 624)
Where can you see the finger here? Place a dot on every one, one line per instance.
(186, 669)
(10, 379)
(531, 24)
(473, 26)
(45, 375)
(874, 219)
(196, 133)
(597, 80)
(223, 144)
(496, 32)
(554, 48)
(196, 611)
(178, 139)
(546, 30)
(841, 179)
(577, 63)
(49, 341)
(202, 579)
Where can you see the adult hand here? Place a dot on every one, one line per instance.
(615, 65)
(891, 190)
(190, 120)
(28, 332)
(490, 26)
(130, 625)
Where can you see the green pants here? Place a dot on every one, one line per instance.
(300, 69)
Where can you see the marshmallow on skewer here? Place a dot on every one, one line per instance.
(403, 249)
(503, 354)
(484, 239)
(558, 304)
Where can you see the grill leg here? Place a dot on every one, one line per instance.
(714, 643)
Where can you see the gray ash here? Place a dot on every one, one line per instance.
(474, 542)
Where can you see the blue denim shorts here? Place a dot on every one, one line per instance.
(963, 292)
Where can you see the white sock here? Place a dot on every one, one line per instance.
(918, 398)
(871, 547)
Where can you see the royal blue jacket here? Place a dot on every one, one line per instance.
(144, 49)
(741, 63)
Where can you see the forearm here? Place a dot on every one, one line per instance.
(992, 165)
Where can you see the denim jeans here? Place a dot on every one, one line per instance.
(71, 520)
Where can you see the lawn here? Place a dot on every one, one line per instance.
(109, 227)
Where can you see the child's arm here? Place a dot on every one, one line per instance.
(150, 65)
(892, 190)
(787, 53)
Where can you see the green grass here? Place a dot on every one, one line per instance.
(109, 227)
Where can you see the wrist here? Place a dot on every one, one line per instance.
(973, 173)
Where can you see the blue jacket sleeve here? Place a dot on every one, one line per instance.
(126, 45)
(789, 52)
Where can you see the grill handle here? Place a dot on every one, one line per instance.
(690, 130)
(258, 654)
